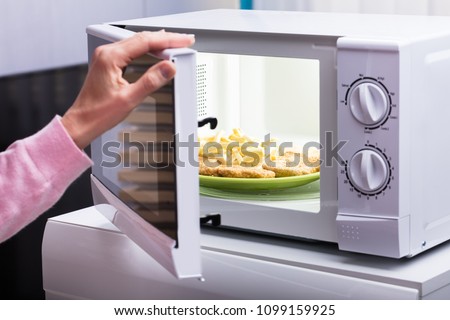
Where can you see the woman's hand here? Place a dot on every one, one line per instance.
(106, 98)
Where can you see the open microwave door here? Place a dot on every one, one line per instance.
(145, 173)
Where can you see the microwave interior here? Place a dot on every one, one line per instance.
(280, 87)
(264, 98)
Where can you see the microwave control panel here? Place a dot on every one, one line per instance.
(368, 125)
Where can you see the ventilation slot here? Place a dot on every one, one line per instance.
(201, 91)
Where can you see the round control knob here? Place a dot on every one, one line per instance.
(369, 103)
(368, 171)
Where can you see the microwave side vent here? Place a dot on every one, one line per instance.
(202, 90)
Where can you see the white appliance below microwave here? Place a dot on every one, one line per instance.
(368, 91)
(86, 257)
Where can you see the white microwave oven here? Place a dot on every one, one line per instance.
(369, 91)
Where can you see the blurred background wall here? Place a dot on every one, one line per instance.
(421, 7)
(43, 64)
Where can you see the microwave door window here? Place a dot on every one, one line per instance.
(138, 165)
(148, 174)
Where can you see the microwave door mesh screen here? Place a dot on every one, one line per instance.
(144, 177)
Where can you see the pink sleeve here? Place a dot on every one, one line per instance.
(34, 173)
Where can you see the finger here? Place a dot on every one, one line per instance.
(144, 42)
(153, 79)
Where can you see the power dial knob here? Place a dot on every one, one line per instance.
(369, 103)
(368, 171)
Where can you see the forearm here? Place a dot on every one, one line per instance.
(34, 173)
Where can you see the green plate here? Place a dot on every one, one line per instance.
(304, 192)
(253, 184)
(273, 189)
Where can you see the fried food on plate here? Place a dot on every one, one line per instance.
(215, 169)
(293, 163)
(240, 156)
(244, 172)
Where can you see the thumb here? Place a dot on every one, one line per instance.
(153, 79)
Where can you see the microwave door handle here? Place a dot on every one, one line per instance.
(114, 34)
(109, 32)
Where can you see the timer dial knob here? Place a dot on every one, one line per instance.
(369, 103)
(368, 171)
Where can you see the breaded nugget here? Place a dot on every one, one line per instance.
(313, 159)
(292, 164)
(207, 169)
(238, 171)
(280, 170)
